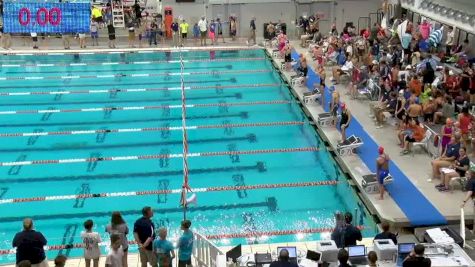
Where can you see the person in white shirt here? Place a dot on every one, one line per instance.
(450, 41)
(114, 258)
(91, 242)
(345, 69)
(203, 25)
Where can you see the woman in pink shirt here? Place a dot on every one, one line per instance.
(425, 29)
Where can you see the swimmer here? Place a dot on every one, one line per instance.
(382, 170)
(334, 105)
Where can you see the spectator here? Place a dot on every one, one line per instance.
(386, 234)
(203, 25)
(458, 169)
(449, 42)
(470, 190)
(428, 109)
(283, 260)
(60, 261)
(446, 133)
(465, 120)
(372, 258)
(144, 233)
(163, 249)
(416, 135)
(184, 31)
(448, 157)
(94, 33)
(416, 258)
(116, 253)
(414, 110)
(185, 245)
(425, 29)
(428, 74)
(382, 170)
(446, 112)
(344, 121)
(219, 29)
(351, 233)
(252, 29)
(117, 226)
(343, 258)
(175, 32)
(345, 69)
(91, 242)
(138, 12)
(29, 245)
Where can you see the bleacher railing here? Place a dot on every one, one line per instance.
(207, 254)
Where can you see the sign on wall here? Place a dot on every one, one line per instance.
(46, 17)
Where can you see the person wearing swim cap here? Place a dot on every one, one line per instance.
(382, 170)
(344, 121)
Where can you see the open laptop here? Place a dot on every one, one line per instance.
(358, 255)
(403, 250)
(292, 253)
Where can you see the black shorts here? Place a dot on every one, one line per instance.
(35, 39)
(184, 35)
(288, 58)
(184, 263)
(111, 37)
(99, 19)
(410, 139)
(220, 33)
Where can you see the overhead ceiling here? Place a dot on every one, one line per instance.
(462, 5)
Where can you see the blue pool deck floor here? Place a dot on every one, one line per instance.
(439, 208)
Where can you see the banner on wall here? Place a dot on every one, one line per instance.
(46, 17)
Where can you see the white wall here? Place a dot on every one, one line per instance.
(350, 11)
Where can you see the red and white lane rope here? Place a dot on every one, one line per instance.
(186, 186)
(136, 90)
(155, 129)
(149, 62)
(170, 191)
(134, 75)
(256, 234)
(158, 156)
(42, 111)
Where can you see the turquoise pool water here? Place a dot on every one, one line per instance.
(97, 81)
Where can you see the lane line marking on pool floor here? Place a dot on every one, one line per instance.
(169, 191)
(128, 108)
(244, 234)
(121, 75)
(154, 129)
(149, 62)
(158, 156)
(135, 90)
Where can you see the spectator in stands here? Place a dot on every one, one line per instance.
(60, 261)
(446, 112)
(116, 253)
(470, 187)
(345, 69)
(203, 26)
(449, 42)
(382, 170)
(343, 258)
(144, 233)
(283, 260)
(416, 258)
(91, 242)
(416, 135)
(344, 121)
(351, 233)
(415, 86)
(386, 234)
(428, 74)
(163, 249)
(118, 227)
(458, 169)
(465, 48)
(428, 109)
(446, 133)
(414, 110)
(447, 158)
(29, 245)
(465, 120)
(185, 245)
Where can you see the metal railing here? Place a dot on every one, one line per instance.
(207, 254)
(434, 143)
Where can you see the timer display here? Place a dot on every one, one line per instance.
(46, 17)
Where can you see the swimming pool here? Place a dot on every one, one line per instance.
(123, 110)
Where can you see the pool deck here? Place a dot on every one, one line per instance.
(446, 203)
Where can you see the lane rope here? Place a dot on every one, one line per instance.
(135, 75)
(255, 234)
(170, 191)
(136, 90)
(158, 156)
(100, 109)
(148, 62)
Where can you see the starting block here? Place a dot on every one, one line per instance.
(309, 97)
(276, 53)
(370, 183)
(325, 119)
(297, 80)
(349, 146)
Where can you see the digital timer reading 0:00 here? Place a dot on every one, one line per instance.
(43, 16)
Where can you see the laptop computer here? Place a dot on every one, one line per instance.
(358, 255)
(403, 250)
(292, 253)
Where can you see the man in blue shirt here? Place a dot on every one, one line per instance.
(144, 233)
(163, 249)
(185, 245)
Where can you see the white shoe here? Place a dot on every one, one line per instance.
(379, 126)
